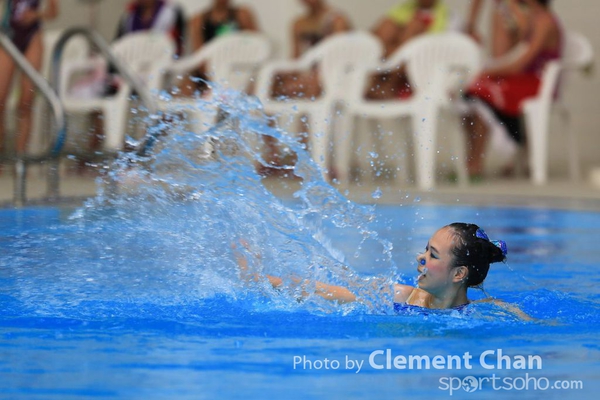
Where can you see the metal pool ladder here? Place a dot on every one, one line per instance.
(49, 90)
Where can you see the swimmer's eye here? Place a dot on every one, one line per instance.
(432, 255)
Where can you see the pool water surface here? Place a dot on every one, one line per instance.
(105, 307)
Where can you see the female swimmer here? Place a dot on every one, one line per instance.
(457, 257)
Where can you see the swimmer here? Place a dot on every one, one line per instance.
(457, 257)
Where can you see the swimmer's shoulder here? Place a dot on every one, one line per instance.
(404, 294)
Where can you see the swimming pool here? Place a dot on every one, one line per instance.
(138, 296)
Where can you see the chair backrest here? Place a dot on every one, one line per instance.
(578, 54)
(440, 62)
(233, 59)
(342, 57)
(77, 48)
(145, 52)
(577, 51)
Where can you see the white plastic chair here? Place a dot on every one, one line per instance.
(339, 58)
(146, 53)
(577, 55)
(77, 49)
(438, 66)
(231, 60)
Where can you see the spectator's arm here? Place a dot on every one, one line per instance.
(474, 11)
(388, 32)
(197, 31)
(541, 32)
(51, 11)
(520, 17)
(341, 24)
(415, 27)
(246, 20)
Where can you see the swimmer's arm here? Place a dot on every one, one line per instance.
(329, 292)
(336, 293)
(510, 308)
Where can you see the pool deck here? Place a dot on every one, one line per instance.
(511, 192)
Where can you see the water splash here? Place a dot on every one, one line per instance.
(197, 197)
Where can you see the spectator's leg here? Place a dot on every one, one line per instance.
(34, 55)
(477, 134)
(7, 66)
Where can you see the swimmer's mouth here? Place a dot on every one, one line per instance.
(421, 273)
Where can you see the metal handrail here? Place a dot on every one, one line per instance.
(124, 71)
(49, 94)
(50, 90)
(21, 160)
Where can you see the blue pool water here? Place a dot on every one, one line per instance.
(76, 323)
(138, 294)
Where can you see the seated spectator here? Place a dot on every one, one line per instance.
(504, 87)
(154, 15)
(412, 18)
(161, 16)
(318, 22)
(505, 13)
(220, 19)
(402, 23)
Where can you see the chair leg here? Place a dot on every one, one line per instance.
(368, 146)
(343, 139)
(536, 123)
(424, 128)
(115, 121)
(319, 140)
(574, 164)
(459, 142)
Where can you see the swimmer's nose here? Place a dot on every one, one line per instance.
(421, 259)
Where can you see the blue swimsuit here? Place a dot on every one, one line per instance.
(403, 308)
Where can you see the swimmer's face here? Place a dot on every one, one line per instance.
(436, 264)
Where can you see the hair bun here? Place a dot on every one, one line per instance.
(501, 244)
(480, 233)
